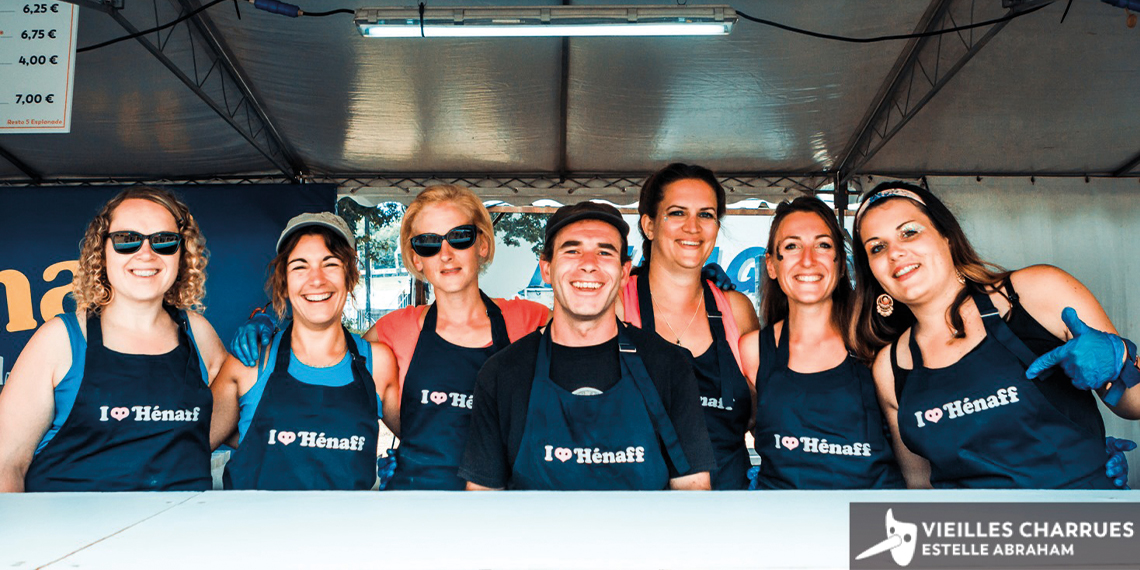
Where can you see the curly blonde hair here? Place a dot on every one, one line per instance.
(91, 289)
(463, 199)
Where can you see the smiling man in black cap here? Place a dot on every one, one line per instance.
(589, 403)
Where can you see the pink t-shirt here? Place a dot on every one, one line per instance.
(400, 330)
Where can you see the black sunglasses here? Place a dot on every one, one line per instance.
(162, 243)
(460, 237)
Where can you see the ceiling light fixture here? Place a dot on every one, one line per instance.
(524, 21)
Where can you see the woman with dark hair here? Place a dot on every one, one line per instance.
(818, 424)
(306, 418)
(961, 335)
(115, 397)
(681, 206)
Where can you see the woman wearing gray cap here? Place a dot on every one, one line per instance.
(307, 416)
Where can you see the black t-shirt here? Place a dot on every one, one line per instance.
(502, 395)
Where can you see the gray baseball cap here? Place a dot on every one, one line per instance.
(324, 219)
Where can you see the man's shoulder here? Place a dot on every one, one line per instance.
(519, 355)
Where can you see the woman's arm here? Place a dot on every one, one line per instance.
(227, 388)
(27, 403)
(915, 469)
(743, 312)
(1045, 291)
(209, 345)
(386, 375)
(750, 357)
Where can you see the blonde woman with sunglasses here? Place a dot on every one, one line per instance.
(446, 239)
(116, 397)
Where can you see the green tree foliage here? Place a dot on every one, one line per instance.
(514, 229)
(379, 245)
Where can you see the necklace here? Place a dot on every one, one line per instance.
(700, 304)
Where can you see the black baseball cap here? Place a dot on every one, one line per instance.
(567, 215)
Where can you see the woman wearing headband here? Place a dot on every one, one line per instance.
(306, 418)
(818, 423)
(115, 397)
(960, 338)
(681, 206)
(446, 239)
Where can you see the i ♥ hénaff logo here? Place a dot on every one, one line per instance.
(147, 414)
(594, 455)
(966, 406)
(820, 445)
(454, 399)
(316, 439)
(993, 535)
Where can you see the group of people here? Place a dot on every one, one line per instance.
(929, 367)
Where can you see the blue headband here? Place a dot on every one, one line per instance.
(888, 193)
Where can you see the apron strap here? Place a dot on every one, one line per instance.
(769, 360)
(997, 328)
(499, 337)
(725, 359)
(665, 430)
(360, 367)
(645, 303)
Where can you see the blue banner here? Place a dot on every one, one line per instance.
(41, 230)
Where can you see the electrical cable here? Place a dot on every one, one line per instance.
(329, 13)
(154, 29)
(820, 35)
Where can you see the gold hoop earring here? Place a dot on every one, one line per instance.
(885, 305)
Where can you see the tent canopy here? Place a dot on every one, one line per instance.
(271, 97)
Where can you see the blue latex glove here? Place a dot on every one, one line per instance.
(251, 337)
(754, 478)
(1091, 359)
(716, 274)
(386, 468)
(1117, 466)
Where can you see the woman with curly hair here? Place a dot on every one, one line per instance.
(116, 397)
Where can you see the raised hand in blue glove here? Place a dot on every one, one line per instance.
(249, 339)
(716, 274)
(386, 468)
(754, 478)
(1091, 358)
(1117, 466)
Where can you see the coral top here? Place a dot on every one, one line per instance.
(400, 330)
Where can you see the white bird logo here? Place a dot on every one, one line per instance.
(900, 541)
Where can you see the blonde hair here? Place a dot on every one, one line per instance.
(463, 199)
(91, 289)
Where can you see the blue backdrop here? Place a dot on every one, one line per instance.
(41, 229)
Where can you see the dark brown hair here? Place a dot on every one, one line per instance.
(653, 191)
(873, 331)
(773, 300)
(277, 286)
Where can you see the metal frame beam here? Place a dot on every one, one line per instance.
(209, 69)
(27, 170)
(923, 68)
(1128, 166)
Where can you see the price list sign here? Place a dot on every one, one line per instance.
(37, 66)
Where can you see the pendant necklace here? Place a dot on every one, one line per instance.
(700, 304)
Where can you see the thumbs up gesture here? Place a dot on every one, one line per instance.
(1091, 358)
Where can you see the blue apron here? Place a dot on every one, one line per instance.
(981, 424)
(725, 397)
(139, 423)
(307, 437)
(616, 440)
(822, 430)
(435, 408)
